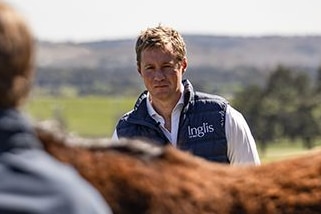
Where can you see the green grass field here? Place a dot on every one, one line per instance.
(86, 116)
(97, 116)
(284, 150)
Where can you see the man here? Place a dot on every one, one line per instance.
(31, 181)
(170, 111)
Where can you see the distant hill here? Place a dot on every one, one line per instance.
(217, 64)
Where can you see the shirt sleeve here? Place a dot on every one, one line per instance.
(241, 147)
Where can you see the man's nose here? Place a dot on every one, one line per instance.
(159, 74)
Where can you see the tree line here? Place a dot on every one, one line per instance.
(287, 106)
(125, 81)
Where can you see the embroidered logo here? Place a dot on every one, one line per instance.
(200, 131)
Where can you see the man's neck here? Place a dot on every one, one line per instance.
(165, 108)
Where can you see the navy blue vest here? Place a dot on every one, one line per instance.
(201, 129)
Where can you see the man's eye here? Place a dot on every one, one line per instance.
(148, 68)
(167, 67)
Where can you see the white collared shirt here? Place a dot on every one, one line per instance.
(171, 135)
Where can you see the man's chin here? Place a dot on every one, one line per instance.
(161, 95)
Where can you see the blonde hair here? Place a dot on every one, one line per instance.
(16, 57)
(159, 37)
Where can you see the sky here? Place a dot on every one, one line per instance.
(90, 20)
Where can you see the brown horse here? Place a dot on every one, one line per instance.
(137, 177)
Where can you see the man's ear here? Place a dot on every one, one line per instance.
(138, 69)
(184, 64)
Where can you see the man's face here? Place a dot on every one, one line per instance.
(161, 72)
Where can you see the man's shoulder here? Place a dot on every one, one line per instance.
(34, 172)
(203, 96)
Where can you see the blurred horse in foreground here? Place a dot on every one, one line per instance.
(137, 177)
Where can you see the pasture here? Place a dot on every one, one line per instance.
(96, 117)
(87, 116)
